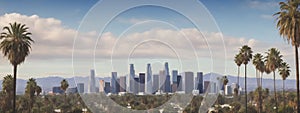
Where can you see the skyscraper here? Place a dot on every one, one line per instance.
(142, 82)
(199, 82)
(92, 86)
(167, 84)
(148, 83)
(130, 79)
(179, 83)
(80, 87)
(174, 76)
(122, 84)
(101, 85)
(107, 87)
(187, 82)
(135, 85)
(113, 82)
(206, 86)
(167, 68)
(162, 79)
(155, 82)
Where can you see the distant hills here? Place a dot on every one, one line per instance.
(48, 82)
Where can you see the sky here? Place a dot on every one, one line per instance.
(73, 37)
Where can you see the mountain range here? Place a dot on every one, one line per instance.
(48, 82)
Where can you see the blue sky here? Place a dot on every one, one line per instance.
(240, 21)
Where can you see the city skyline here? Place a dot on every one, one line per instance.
(45, 62)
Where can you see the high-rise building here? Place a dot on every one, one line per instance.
(155, 82)
(107, 87)
(167, 68)
(206, 86)
(228, 90)
(148, 83)
(167, 84)
(101, 86)
(235, 86)
(80, 87)
(162, 79)
(179, 83)
(122, 84)
(199, 82)
(174, 76)
(118, 86)
(113, 82)
(92, 85)
(130, 79)
(187, 82)
(141, 82)
(136, 85)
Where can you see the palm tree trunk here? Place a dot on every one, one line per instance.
(275, 92)
(260, 93)
(15, 88)
(246, 89)
(297, 78)
(283, 93)
(238, 80)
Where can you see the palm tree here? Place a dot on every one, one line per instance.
(288, 24)
(16, 46)
(38, 90)
(238, 59)
(246, 54)
(7, 89)
(30, 91)
(224, 81)
(273, 61)
(64, 85)
(259, 66)
(284, 71)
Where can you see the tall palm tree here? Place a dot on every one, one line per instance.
(259, 66)
(16, 46)
(284, 71)
(64, 85)
(238, 59)
(288, 24)
(30, 91)
(273, 62)
(246, 54)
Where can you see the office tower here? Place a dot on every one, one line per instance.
(123, 84)
(174, 76)
(118, 86)
(228, 90)
(107, 87)
(80, 87)
(113, 82)
(167, 84)
(173, 87)
(206, 86)
(167, 69)
(187, 82)
(92, 86)
(162, 79)
(130, 79)
(148, 83)
(199, 82)
(101, 85)
(136, 85)
(142, 82)
(155, 82)
(179, 83)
